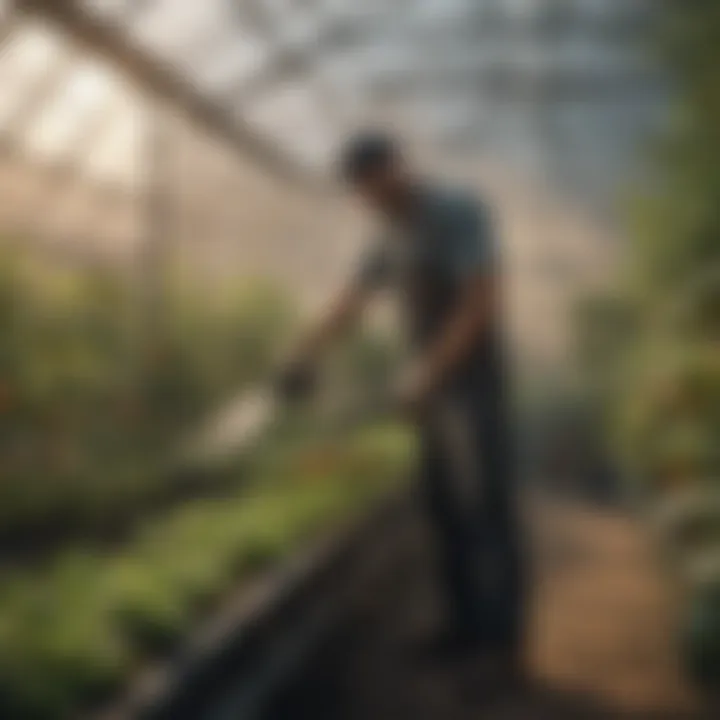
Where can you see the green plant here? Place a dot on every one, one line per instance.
(89, 411)
(72, 634)
(652, 349)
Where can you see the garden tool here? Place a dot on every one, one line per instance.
(237, 428)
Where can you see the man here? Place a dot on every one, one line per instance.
(439, 254)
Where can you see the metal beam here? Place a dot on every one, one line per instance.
(256, 14)
(29, 211)
(503, 83)
(251, 13)
(62, 175)
(257, 17)
(158, 78)
(220, 37)
(57, 179)
(135, 8)
(209, 45)
(560, 19)
(336, 34)
(101, 196)
(568, 86)
(158, 213)
(74, 249)
(289, 61)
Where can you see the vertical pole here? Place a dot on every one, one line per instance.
(549, 152)
(152, 253)
(7, 20)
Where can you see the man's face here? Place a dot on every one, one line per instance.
(383, 187)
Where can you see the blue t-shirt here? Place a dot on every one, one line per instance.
(428, 260)
(450, 234)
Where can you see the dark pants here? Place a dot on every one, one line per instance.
(469, 487)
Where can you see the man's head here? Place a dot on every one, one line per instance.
(372, 164)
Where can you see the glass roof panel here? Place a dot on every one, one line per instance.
(232, 63)
(116, 157)
(108, 8)
(87, 91)
(25, 59)
(171, 30)
(303, 71)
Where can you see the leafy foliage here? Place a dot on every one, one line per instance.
(71, 635)
(89, 411)
(654, 344)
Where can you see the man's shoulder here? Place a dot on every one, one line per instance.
(449, 201)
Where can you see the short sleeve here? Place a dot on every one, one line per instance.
(470, 241)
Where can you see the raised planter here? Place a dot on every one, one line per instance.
(236, 663)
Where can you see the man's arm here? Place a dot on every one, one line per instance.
(471, 258)
(466, 325)
(296, 377)
(343, 312)
(371, 275)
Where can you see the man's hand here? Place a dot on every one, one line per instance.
(296, 380)
(475, 311)
(412, 392)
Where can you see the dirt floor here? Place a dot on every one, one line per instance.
(601, 642)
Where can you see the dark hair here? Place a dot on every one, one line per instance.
(366, 152)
